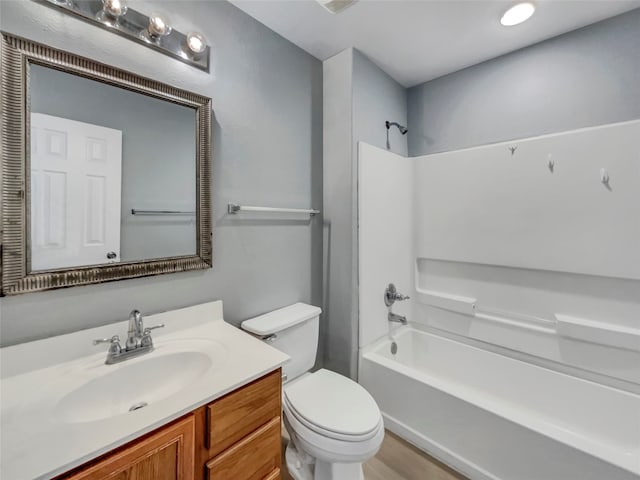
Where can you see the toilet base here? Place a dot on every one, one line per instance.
(320, 470)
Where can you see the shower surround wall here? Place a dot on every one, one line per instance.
(358, 98)
(489, 354)
(267, 140)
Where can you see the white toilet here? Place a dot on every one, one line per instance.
(335, 424)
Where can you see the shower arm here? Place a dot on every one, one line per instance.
(401, 128)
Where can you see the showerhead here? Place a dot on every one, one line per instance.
(402, 128)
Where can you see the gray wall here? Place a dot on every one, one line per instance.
(377, 97)
(158, 156)
(587, 77)
(267, 102)
(358, 98)
(339, 332)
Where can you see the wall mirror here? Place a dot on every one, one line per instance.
(105, 175)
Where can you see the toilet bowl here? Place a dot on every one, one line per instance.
(334, 424)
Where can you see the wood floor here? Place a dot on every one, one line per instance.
(398, 460)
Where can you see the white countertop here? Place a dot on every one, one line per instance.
(38, 442)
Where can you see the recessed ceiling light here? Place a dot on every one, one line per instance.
(517, 14)
(336, 6)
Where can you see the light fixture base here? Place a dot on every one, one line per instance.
(132, 25)
(336, 6)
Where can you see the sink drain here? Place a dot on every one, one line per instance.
(137, 406)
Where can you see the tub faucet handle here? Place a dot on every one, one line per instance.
(391, 295)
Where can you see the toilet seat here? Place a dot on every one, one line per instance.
(333, 406)
(332, 418)
(292, 412)
(327, 448)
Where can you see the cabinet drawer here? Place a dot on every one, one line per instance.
(234, 416)
(257, 457)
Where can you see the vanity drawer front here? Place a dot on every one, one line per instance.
(257, 457)
(236, 415)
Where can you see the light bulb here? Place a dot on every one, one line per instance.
(196, 42)
(115, 8)
(159, 25)
(517, 14)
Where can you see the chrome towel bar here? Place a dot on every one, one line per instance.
(135, 211)
(234, 208)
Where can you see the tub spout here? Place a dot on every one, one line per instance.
(394, 317)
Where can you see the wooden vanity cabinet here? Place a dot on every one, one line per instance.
(241, 433)
(236, 437)
(166, 454)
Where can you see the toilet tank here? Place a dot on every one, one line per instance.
(292, 330)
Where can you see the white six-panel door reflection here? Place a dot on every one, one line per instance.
(75, 193)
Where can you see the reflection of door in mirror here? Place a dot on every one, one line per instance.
(75, 193)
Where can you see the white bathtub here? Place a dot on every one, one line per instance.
(494, 417)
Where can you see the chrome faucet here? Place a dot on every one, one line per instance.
(135, 332)
(391, 295)
(394, 317)
(138, 342)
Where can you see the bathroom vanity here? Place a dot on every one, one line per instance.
(236, 436)
(204, 404)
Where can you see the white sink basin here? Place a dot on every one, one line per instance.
(60, 405)
(127, 387)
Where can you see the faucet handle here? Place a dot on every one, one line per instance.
(146, 336)
(114, 341)
(147, 330)
(392, 295)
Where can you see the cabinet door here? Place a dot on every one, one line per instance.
(167, 454)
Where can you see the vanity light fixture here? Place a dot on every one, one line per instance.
(196, 43)
(114, 8)
(111, 11)
(517, 14)
(159, 26)
(154, 31)
(336, 6)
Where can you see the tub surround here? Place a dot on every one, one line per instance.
(555, 295)
(38, 376)
(524, 366)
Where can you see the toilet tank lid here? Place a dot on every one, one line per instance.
(280, 319)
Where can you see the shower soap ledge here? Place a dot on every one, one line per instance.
(447, 301)
(598, 332)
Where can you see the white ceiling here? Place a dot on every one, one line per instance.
(417, 40)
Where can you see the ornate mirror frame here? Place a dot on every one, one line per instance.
(17, 54)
